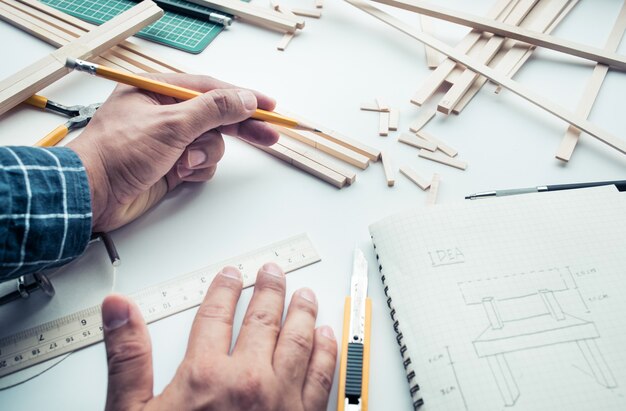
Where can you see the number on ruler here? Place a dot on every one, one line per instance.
(83, 322)
(41, 338)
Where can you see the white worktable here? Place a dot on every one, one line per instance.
(337, 62)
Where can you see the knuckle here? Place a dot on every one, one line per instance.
(254, 392)
(273, 285)
(322, 377)
(263, 318)
(302, 343)
(220, 103)
(127, 355)
(199, 378)
(217, 312)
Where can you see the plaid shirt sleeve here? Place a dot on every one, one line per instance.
(45, 209)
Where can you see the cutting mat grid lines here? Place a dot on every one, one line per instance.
(175, 30)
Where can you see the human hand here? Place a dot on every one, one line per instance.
(140, 145)
(270, 367)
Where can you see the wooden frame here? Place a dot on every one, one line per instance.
(513, 32)
(44, 72)
(495, 76)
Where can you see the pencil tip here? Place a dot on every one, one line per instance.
(316, 130)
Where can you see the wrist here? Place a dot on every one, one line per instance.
(96, 178)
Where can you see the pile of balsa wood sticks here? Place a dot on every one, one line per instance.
(65, 32)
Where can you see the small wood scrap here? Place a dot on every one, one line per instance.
(394, 119)
(415, 177)
(443, 159)
(367, 106)
(284, 42)
(383, 124)
(316, 14)
(382, 106)
(387, 166)
(434, 190)
(418, 142)
(426, 114)
(319, 4)
(288, 36)
(441, 146)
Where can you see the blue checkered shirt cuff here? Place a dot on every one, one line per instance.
(45, 209)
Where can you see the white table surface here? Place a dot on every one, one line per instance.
(337, 62)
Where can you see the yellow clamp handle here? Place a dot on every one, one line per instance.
(52, 138)
(343, 365)
(37, 101)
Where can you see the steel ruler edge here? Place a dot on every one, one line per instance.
(84, 328)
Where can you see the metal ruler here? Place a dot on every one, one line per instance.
(84, 328)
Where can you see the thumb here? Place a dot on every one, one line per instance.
(129, 354)
(210, 110)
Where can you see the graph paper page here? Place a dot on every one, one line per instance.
(513, 303)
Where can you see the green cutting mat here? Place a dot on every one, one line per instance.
(174, 30)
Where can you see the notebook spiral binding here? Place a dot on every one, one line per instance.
(416, 396)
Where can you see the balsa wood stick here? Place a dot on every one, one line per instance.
(505, 30)
(26, 82)
(438, 76)
(570, 139)
(458, 89)
(544, 17)
(496, 77)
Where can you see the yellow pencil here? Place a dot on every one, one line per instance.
(171, 90)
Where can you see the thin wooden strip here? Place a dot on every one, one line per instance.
(505, 30)
(284, 41)
(432, 57)
(316, 14)
(44, 72)
(382, 104)
(370, 152)
(394, 119)
(438, 76)
(458, 89)
(441, 146)
(414, 141)
(253, 14)
(52, 35)
(316, 157)
(305, 164)
(426, 114)
(550, 13)
(56, 16)
(370, 107)
(570, 139)
(388, 168)
(383, 123)
(336, 150)
(497, 77)
(443, 159)
(319, 3)
(415, 177)
(431, 198)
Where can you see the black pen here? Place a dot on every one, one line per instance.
(620, 184)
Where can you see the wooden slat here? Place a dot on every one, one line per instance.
(495, 76)
(415, 177)
(44, 72)
(443, 159)
(505, 30)
(570, 139)
(385, 158)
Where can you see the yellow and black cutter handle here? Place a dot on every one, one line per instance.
(355, 362)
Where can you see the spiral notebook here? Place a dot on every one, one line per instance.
(513, 303)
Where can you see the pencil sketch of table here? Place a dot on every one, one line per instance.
(534, 319)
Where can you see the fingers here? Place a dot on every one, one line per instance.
(319, 377)
(212, 328)
(129, 354)
(261, 324)
(295, 343)
(206, 83)
(199, 160)
(255, 131)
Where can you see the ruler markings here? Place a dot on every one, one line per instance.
(84, 328)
